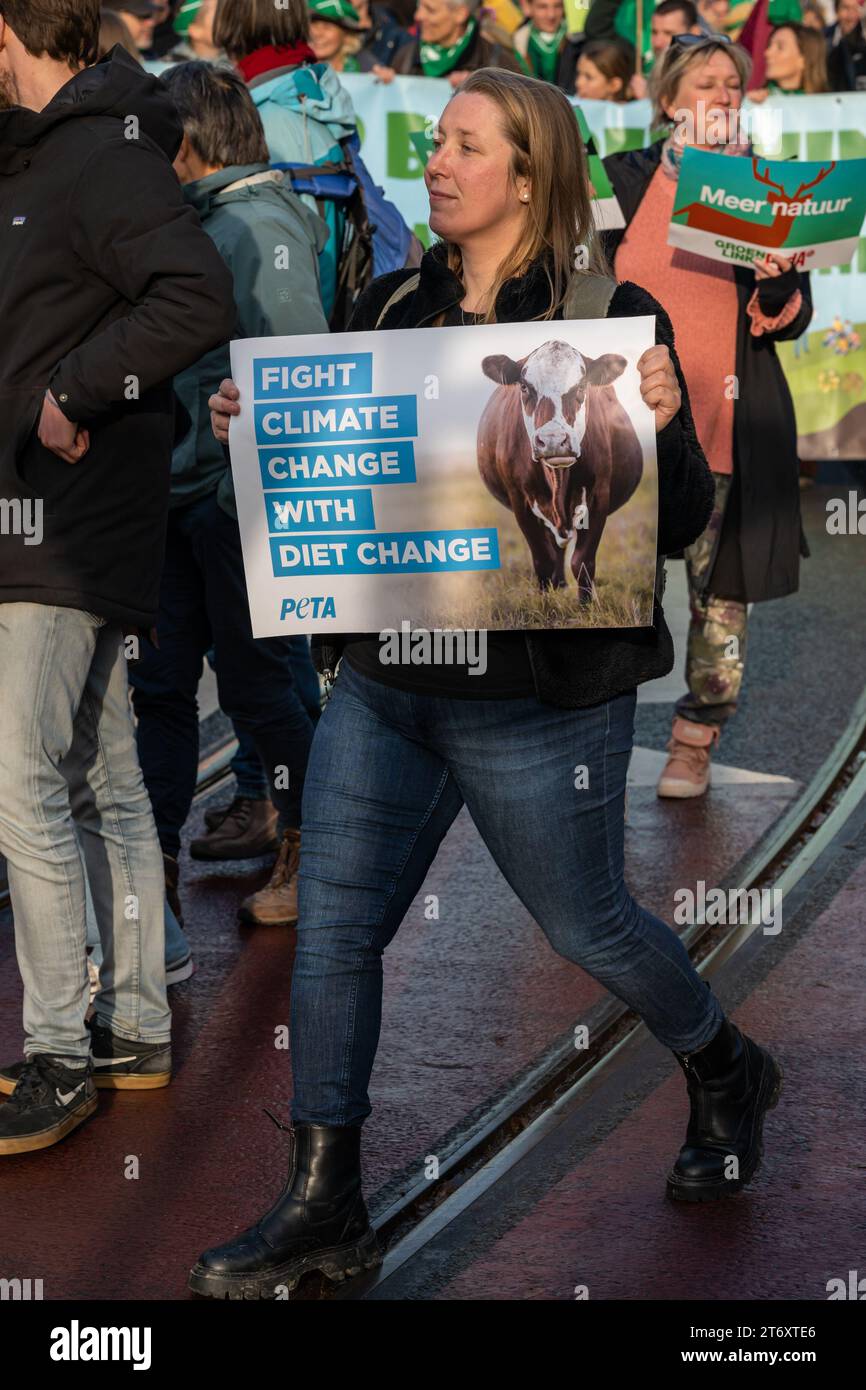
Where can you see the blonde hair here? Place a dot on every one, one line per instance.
(541, 126)
(678, 59)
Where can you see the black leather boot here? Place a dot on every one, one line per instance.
(319, 1222)
(731, 1082)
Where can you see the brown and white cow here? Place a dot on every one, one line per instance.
(556, 446)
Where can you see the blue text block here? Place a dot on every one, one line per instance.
(305, 511)
(342, 375)
(325, 465)
(315, 421)
(393, 552)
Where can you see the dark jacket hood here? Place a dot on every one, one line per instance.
(115, 86)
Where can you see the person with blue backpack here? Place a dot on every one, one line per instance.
(312, 134)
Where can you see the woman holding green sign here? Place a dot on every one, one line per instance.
(401, 748)
(727, 320)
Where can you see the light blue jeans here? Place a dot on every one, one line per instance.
(176, 944)
(68, 774)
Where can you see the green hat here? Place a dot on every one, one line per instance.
(185, 16)
(336, 12)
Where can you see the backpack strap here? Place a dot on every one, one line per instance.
(409, 286)
(588, 296)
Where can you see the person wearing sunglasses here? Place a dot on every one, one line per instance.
(751, 548)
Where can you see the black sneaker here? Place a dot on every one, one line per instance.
(118, 1064)
(49, 1100)
(121, 1065)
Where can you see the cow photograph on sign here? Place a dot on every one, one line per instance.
(558, 449)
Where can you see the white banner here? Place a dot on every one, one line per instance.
(827, 368)
(493, 476)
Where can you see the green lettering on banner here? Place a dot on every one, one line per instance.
(403, 162)
(627, 138)
(852, 144)
(819, 144)
(789, 147)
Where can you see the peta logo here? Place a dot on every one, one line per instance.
(77, 1343)
(318, 607)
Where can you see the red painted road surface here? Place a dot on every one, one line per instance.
(585, 1215)
(471, 1000)
(209, 1160)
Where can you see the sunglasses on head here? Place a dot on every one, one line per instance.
(690, 40)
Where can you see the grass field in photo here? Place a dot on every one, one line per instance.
(510, 597)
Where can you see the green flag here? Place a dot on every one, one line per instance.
(626, 26)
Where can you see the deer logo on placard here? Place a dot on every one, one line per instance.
(727, 224)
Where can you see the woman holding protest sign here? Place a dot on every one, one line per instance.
(401, 748)
(750, 551)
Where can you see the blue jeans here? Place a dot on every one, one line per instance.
(71, 786)
(388, 774)
(246, 765)
(203, 603)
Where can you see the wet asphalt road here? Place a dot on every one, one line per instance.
(470, 1001)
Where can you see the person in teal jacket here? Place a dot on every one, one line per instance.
(271, 243)
(308, 118)
(306, 113)
(247, 210)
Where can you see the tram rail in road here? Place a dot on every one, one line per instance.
(477, 1153)
(821, 817)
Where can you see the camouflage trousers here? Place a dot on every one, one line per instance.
(716, 650)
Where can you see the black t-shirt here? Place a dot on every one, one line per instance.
(508, 674)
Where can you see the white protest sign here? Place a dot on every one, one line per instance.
(496, 476)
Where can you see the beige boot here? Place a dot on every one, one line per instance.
(276, 905)
(687, 770)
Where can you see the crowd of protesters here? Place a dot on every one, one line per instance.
(803, 46)
(139, 579)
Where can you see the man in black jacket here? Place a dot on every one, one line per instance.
(108, 286)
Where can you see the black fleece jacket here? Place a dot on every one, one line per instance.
(571, 669)
(108, 286)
